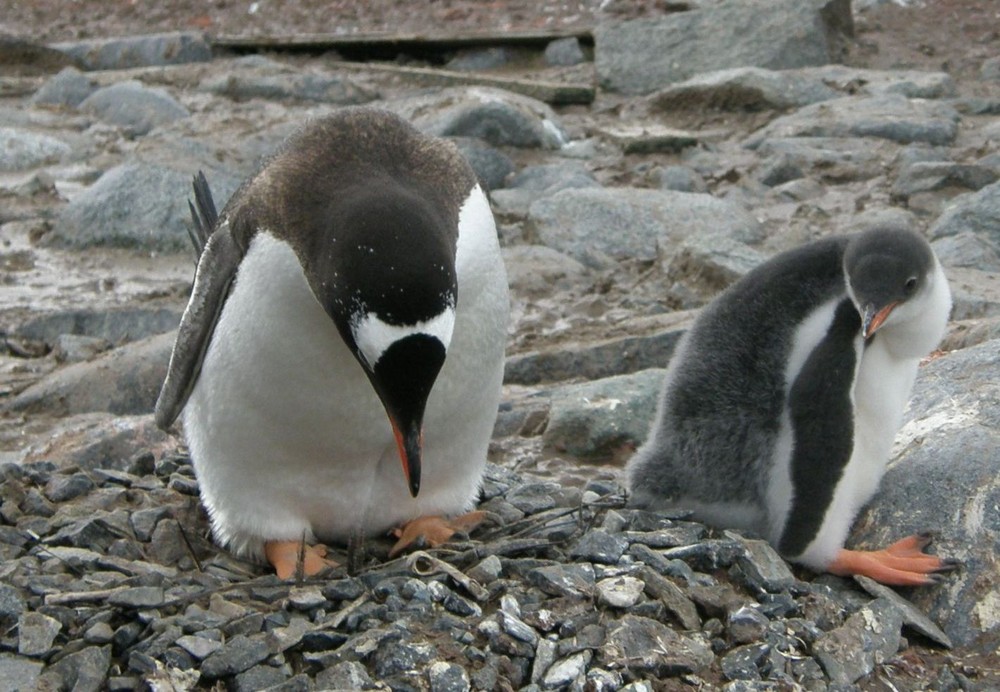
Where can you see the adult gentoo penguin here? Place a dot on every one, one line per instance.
(780, 406)
(349, 313)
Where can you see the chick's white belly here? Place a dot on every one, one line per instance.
(287, 435)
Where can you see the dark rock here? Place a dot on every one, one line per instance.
(743, 662)
(868, 638)
(599, 546)
(139, 51)
(574, 581)
(968, 249)
(447, 677)
(491, 166)
(532, 498)
(258, 678)
(641, 55)
(237, 655)
(761, 568)
(647, 647)
(64, 488)
(912, 617)
(393, 657)
(134, 107)
(746, 625)
(927, 176)
(672, 596)
(498, 117)
(93, 532)
(84, 670)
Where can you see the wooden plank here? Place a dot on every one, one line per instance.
(441, 40)
(549, 92)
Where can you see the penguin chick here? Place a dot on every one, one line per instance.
(781, 403)
(349, 313)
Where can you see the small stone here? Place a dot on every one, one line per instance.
(620, 592)
(393, 657)
(517, 628)
(651, 648)
(564, 52)
(463, 607)
(545, 655)
(99, 633)
(600, 546)
(600, 680)
(199, 647)
(447, 677)
(567, 670)
(343, 589)
(36, 633)
(349, 675)
(868, 638)
(237, 655)
(183, 484)
(259, 677)
(746, 625)
(573, 580)
(761, 568)
(532, 498)
(84, 670)
(63, 488)
(487, 570)
(742, 663)
(306, 598)
(12, 604)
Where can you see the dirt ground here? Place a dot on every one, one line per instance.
(950, 35)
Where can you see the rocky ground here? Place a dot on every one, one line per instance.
(630, 184)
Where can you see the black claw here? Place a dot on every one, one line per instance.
(950, 564)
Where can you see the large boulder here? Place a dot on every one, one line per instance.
(945, 477)
(642, 55)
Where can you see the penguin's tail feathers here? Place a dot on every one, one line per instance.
(203, 213)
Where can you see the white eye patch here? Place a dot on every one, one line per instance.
(374, 337)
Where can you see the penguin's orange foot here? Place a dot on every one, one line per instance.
(288, 557)
(433, 530)
(904, 563)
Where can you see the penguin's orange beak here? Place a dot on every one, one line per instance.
(873, 319)
(409, 442)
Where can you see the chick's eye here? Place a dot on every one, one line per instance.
(911, 284)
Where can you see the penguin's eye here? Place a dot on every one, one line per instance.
(911, 285)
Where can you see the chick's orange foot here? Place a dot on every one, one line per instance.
(904, 563)
(433, 530)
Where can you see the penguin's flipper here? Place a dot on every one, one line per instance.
(216, 271)
(904, 563)
(296, 558)
(433, 530)
(203, 213)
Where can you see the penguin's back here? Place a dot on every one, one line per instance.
(722, 419)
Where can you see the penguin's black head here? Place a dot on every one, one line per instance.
(886, 268)
(389, 284)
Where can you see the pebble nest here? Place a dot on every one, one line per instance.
(110, 581)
